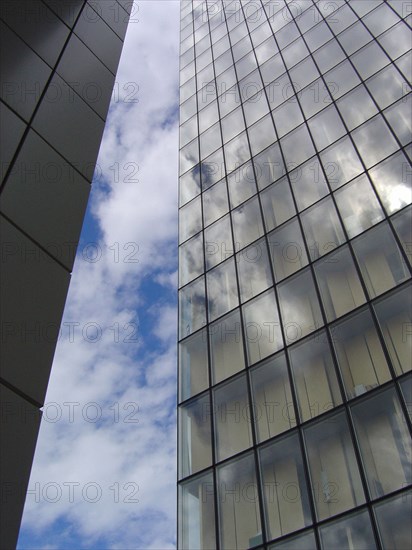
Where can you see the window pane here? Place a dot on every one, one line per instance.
(272, 69)
(299, 306)
(218, 242)
(399, 119)
(297, 146)
(322, 228)
(226, 347)
(394, 314)
(380, 259)
(303, 74)
(287, 117)
(247, 223)
(192, 311)
(210, 140)
(384, 442)
(191, 263)
(193, 363)
(272, 398)
(232, 418)
(255, 107)
(189, 155)
(277, 204)
(393, 181)
(353, 38)
(190, 219)
(359, 352)
(212, 169)
(358, 206)
(369, 60)
(308, 183)
(208, 116)
(266, 50)
(254, 270)
(380, 19)
(374, 141)
(197, 514)
(188, 131)
(261, 319)
(241, 184)
(356, 107)
(396, 41)
(341, 79)
(326, 127)
(341, 163)
(295, 52)
(316, 96)
(189, 185)
(236, 152)
(314, 376)
(269, 166)
(387, 86)
(215, 202)
(239, 511)
(287, 249)
(261, 134)
(195, 436)
(393, 517)
(306, 541)
(339, 283)
(222, 295)
(335, 478)
(232, 124)
(318, 35)
(284, 487)
(354, 531)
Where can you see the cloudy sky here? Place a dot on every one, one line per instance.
(105, 468)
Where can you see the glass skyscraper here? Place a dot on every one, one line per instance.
(294, 280)
(58, 64)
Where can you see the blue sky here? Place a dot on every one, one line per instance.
(105, 467)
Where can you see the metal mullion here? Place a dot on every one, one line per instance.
(285, 349)
(241, 306)
(344, 405)
(212, 385)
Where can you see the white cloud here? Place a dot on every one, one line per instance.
(129, 373)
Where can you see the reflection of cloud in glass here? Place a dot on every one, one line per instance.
(374, 141)
(358, 206)
(299, 306)
(247, 223)
(237, 152)
(263, 333)
(189, 156)
(191, 259)
(190, 220)
(222, 289)
(341, 163)
(192, 312)
(392, 182)
(352, 532)
(189, 185)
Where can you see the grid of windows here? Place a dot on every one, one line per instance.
(294, 302)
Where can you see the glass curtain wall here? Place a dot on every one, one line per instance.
(295, 326)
